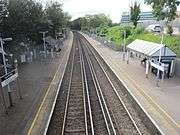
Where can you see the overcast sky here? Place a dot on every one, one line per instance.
(113, 8)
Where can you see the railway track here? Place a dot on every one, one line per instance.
(117, 94)
(119, 112)
(101, 120)
(91, 100)
(82, 110)
(75, 113)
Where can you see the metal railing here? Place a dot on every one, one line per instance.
(105, 41)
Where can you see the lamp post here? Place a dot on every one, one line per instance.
(124, 44)
(5, 66)
(160, 55)
(44, 40)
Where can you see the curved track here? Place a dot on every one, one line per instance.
(83, 110)
(90, 100)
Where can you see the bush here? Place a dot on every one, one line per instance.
(138, 30)
(115, 34)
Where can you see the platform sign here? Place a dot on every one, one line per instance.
(6, 79)
(158, 66)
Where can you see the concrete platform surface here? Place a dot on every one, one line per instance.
(161, 103)
(42, 118)
(36, 79)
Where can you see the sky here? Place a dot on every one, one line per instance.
(112, 8)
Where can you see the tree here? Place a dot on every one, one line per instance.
(55, 14)
(90, 22)
(3, 9)
(76, 24)
(135, 13)
(26, 18)
(164, 10)
(24, 15)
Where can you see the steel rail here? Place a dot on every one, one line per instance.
(99, 97)
(83, 80)
(103, 100)
(117, 94)
(69, 89)
(67, 100)
(88, 97)
(100, 90)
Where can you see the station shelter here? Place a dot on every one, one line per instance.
(156, 57)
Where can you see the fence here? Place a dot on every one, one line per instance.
(106, 42)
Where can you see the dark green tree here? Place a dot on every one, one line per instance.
(91, 22)
(3, 9)
(164, 10)
(23, 18)
(55, 14)
(135, 13)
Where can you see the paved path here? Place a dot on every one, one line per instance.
(162, 103)
(35, 79)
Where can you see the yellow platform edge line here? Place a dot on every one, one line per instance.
(47, 91)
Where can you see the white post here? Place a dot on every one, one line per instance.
(147, 68)
(172, 67)
(127, 57)
(163, 72)
(160, 53)
(124, 48)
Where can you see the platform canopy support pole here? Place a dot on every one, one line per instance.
(147, 68)
(163, 73)
(127, 55)
(124, 45)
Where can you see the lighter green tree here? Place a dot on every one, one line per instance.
(164, 10)
(135, 13)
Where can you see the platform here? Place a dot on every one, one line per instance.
(42, 118)
(39, 81)
(161, 103)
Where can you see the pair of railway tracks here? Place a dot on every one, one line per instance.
(85, 112)
(84, 105)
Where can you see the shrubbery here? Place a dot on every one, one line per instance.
(115, 34)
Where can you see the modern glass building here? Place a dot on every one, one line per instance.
(144, 16)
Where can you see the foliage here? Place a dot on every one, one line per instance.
(135, 13)
(58, 18)
(170, 41)
(3, 9)
(115, 34)
(27, 17)
(91, 22)
(103, 30)
(164, 10)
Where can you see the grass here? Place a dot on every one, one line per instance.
(115, 34)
